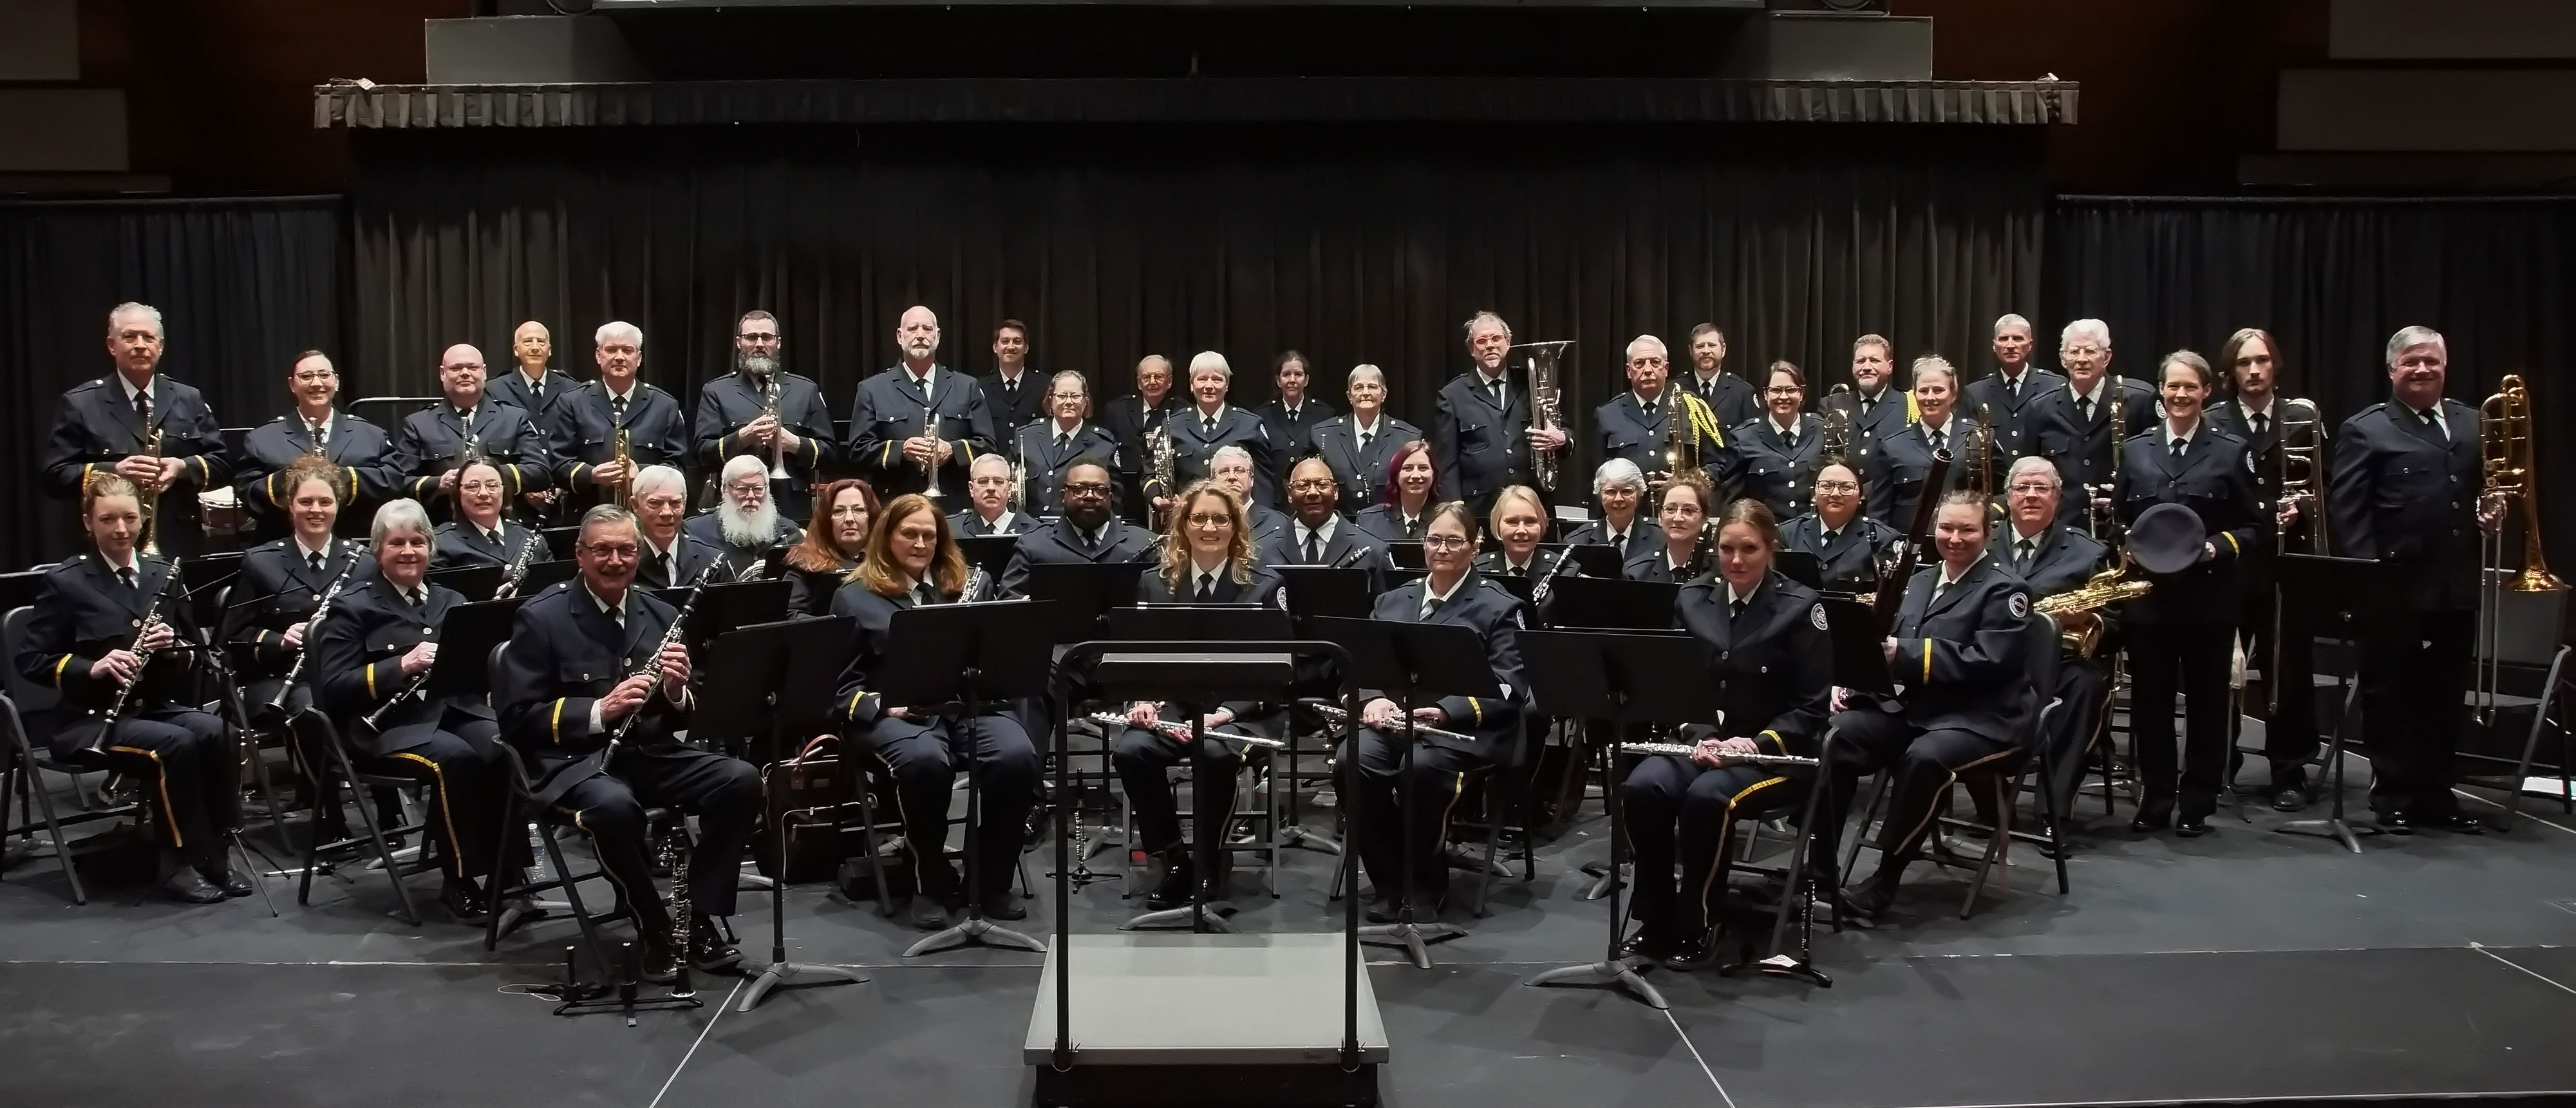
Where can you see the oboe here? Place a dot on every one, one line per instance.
(1180, 732)
(1685, 750)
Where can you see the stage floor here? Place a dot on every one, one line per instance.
(2244, 966)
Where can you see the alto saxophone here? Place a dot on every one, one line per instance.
(2103, 589)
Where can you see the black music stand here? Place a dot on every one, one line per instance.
(990, 553)
(1406, 554)
(465, 641)
(1077, 596)
(1801, 567)
(722, 608)
(1598, 559)
(961, 656)
(560, 541)
(1406, 663)
(2341, 598)
(1309, 592)
(1610, 603)
(775, 680)
(468, 581)
(1860, 650)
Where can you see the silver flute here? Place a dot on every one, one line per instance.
(1338, 718)
(1685, 750)
(1181, 731)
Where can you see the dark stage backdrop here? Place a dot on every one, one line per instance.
(242, 285)
(2332, 279)
(1351, 246)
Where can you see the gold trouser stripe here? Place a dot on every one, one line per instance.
(370, 671)
(455, 846)
(58, 670)
(1951, 777)
(1927, 661)
(1726, 837)
(554, 727)
(169, 815)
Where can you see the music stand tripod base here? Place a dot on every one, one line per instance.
(1622, 973)
(1415, 937)
(973, 929)
(1212, 913)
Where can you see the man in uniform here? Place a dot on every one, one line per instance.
(2013, 392)
(436, 440)
(2052, 559)
(1013, 396)
(734, 417)
(1878, 411)
(1730, 396)
(99, 427)
(2283, 699)
(1087, 532)
(1132, 420)
(1635, 426)
(1317, 534)
(671, 557)
(587, 419)
(988, 511)
(1481, 436)
(2075, 423)
(918, 426)
(534, 386)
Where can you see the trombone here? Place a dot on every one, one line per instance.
(2504, 454)
(2298, 437)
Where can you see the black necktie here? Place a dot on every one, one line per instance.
(922, 595)
(2086, 406)
(617, 408)
(1314, 548)
(1062, 440)
(1207, 426)
(1937, 439)
(2177, 448)
(1497, 389)
(1735, 611)
(1790, 437)
(670, 570)
(126, 576)
(1363, 442)
(2023, 552)
(2261, 422)
(142, 408)
(1865, 405)
(1207, 587)
(314, 561)
(1430, 606)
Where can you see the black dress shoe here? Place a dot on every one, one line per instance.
(1871, 898)
(928, 913)
(233, 884)
(1698, 952)
(2290, 799)
(1383, 910)
(657, 964)
(2192, 827)
(187, 886)
(2456, 823)
(463, 901)
(1650, 943)
(708, 952)
(2396, 823)
(2153, 817)
(1171, 873)
(1005, 905)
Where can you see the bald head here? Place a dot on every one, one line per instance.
(917, 335)
(532, 346)
(460, 375)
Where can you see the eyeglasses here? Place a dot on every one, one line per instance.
(480, 486)
(1442, 542)
(1210, 519)
(2033, 487)
(1784, 390)
(1312, 484)
(1065, 395)
(1837, 486)
(1086, 488)
(316, 378)
(614, 550)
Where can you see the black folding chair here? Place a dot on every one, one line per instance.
(27, 764)
(327, 767)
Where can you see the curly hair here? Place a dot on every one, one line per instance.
(1176, 542)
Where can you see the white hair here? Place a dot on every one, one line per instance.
(405, 514)
(1366, 370)
(1934, 363)
(651, 478)
(2009, 319)
(1210, 359)
(1647, 340)
(1231, 450)
(1618, 471)
(2033, 463)
(1486, 321)
(740, 466)
(618, 329)
(2093, 329)
(131, 307)
(2414, 335)
(999, 462)
(751, 528)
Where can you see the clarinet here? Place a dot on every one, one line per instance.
(976, 580)
(305, 654)
(1564, 567)
(519, 563)
(652, 666)
(142, 658)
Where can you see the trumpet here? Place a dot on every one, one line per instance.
(622, 442)
(1180, 732)
(930, 465)
(769, 411)
(1335, 717)
(1684, 750)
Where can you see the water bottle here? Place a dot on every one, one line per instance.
(539, 872)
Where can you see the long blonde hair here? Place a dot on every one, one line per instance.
(1176, 539)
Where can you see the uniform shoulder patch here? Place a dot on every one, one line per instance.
(2249, 463)
(2019, 605)
(1816, 615)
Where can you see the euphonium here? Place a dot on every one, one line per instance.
(1545, 397)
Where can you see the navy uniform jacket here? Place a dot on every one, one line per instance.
(1283, 549)
(1387, 523)
(1361, 473)
(1895, 476)
(1960, 659)
(1886, 416)
(708, 529)
(95, 427)
(276, 589)
(2064, 560)
(1774, 471)
(971, 522)
(888, 410)
(1130, 422)
(1637, 432)
(1493, 726)
(1492, 563)
(563, 655)
(1293, 432)
(730, 401)
(856, 700)
(1262, 591)
(2083, 448)
(2018, 413)
(1194, 449)
(1044, 462)
(1731, 397)
(584, 435)
(1655, 566)
(809, 591)
(2213, 480)
(357, 666)
(1773, 665)
(1643, 535)
(1481, 447)
(2255, 578)
(461, 545)
(1848, 561)
(1266, 522)
(359, 448)
(692, 555)
(511, 387)
(81, 614)
(432, 441)
(1013, 407)
(1060, 542)
(2400, 493)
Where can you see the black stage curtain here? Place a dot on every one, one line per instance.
(2332, 279)
(1350, 244)
(241, 284)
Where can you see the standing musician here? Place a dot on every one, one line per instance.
(573, 676)
(282, 582)
(1404, 497)
(1481, 434)
(1772, 662)
(2289, 739)
(1396, 802)
(86, 637)
(1233, 472)
(1317, 535)
(1877, 411)
(1045, 448)
(1357, 446)
(1207, 559)
(2078, 420)
(1963, 697)
(1086, 532)
(746, 525)
(1619, 486)
(1208, 425)
(375, 642)
(1132, 420)
(436, 441)
(1779, 453)
(479, 536)
(2053, 558)
(892, 446)
(988, 501)
(734, 416)
(585, 422)
(99, 428)
(672, 558)
(912, 560)
(1518, 523)
(1726, 394)
(1012, 394)
(1847, 545)
(1904, 459)
(1681, 513)
(1292, 415)
(354, 449)
(834, 542)
(1635, 426)
(2404, 490)
(534, 386)
(2182, 635)
(2013, 393)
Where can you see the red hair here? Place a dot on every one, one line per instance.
(1393, 497)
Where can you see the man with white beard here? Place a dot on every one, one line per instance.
(746, 525)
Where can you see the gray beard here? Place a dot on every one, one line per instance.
(753, 529)
(760, 365)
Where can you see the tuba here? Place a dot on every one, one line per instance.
(1546, 395)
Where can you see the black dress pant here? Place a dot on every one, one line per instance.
(2079, 719)
(1399, 806)
(190, 772)
(1676, 805)
(2191, 659)
(724, 793)
(1922, 763)
(464, 770)
(1143, 759)
(2289, 740)
(924, 761)
(2414, 690)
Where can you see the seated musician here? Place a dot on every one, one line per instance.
(1231, 469)
(816, 567)
(1519, 521)
(988, 501)
(1207, 559)
(1764, 637)
(1316, 534)
(672, 559)
(479, 536)
(1963, 695)
(1086, 532)
(1411, 480)
(355, 449)
(2054, 559)
(375, 643)
(746, 525)
(1619, 486)
(1681, 514)
(1399, 803)
(1846, 544)
(573, 677)
(282, 582)
(912, 560)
